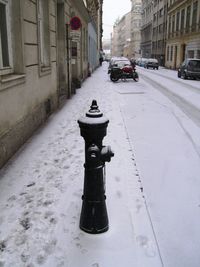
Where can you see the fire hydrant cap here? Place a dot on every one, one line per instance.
(94, 116)
(94, 111)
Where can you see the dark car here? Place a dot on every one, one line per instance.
(151, 63)
(118, 62)
(190, 68)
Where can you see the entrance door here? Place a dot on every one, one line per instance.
(182, 57)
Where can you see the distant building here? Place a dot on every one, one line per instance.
(159, 30)
(183, 32)
(136, 20)
(146, 28)
(121, 36)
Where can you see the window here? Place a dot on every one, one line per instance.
(169, 29)
(44, 34)
(161, 12)
(11, 44)
(171, 55)
(173, 23)
(194, 15)
(190, 53)
(182, 19)
(177, 20)
(167, 53)
(188, 17)
(5, 42)
(160, 28)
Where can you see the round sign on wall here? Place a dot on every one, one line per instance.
(75, 23)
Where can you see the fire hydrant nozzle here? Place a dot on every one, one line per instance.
(94, 218)
(106, 153)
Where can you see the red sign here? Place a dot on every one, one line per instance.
(75, 23)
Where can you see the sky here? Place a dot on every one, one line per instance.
(113, 9)
(152, 182)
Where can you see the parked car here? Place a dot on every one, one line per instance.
(190, 68)
(151, 63)
(118, 62)
(141, 61)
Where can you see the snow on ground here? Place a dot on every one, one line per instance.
(189, 90)
(163, 72)
(41, 190)
(41, 187)
(167, 150)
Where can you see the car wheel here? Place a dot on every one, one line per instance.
(184, 76)
(114, 78)
(179, 74)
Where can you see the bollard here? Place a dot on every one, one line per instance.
(94, 218)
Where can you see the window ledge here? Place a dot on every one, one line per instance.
(45, 70)
(11, 80)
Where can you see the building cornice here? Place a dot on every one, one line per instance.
(176, 5)
(80, 6)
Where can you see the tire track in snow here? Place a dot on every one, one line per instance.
(188, 86)
(188, 108)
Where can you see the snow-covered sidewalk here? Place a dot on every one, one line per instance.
(41, 189)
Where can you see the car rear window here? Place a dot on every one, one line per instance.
(122, 63)
(153, 60)
(195, 64)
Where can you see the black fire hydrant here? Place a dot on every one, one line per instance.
(94, 218)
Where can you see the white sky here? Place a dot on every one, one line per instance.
(113, 9)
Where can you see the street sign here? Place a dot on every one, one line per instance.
(75, 23)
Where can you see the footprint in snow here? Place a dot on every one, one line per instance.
(117, 179)
(20, 239)
(119, 194)
(48, 214)
(12, 198)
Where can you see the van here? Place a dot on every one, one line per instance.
(190, 68)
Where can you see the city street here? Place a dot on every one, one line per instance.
(152, 182)
(162, 116)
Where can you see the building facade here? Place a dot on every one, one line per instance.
(43, 59)
(94, 33)
(183, 32)
(121, 36)
(136, 21)
(159, 30)
(146, 28)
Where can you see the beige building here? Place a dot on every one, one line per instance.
(183, 32)
(43, 59)
(121, 37)
(114, 38)
(136, 20)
